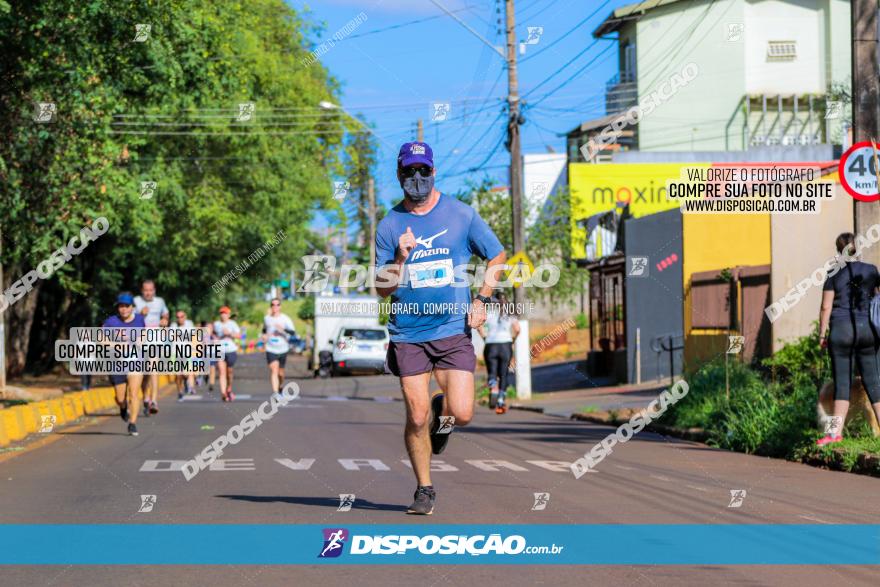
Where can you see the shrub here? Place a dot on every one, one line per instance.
(581, 321)
(758, 418)
(800, 363)
(307, 309)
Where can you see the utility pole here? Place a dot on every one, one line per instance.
(865, 105)
(513, 139)
(420, 131)
(371, 196)
(521, 350)
(522, 346)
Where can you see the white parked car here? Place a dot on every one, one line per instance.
(360, 349)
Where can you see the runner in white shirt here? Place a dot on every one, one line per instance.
(499, 331)
(227, 331)
(276, 328)
(155, 314)
(186, 381)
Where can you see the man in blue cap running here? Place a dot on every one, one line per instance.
(418, 245)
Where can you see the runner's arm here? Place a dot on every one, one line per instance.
(388, 265)
(477, 316)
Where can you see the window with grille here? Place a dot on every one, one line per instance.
(781, 50)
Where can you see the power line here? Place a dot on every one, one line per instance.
(403, 24)
(572, 76)
(561, 67)
(571, 30)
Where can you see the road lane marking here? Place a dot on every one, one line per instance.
(356, 464)
(436, 466)
(814, 519)
(697, 487)
(300, 465)
(232, 465)
(660, 477)
(493, 465)
(161, 466)
(556, 466)
(359, 464)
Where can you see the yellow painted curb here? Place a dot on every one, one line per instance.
(31, 418)
(56, 409)
(9, 421)
(18, 422)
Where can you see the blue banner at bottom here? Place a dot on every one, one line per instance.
(501, 544)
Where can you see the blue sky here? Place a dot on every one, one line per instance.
(393, 76)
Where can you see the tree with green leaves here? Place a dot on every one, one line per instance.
(170, 109)
(547, 240)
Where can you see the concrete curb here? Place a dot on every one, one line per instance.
(19, 422)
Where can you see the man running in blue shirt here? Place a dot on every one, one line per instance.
(418, 245)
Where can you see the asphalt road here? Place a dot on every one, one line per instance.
(344, 436)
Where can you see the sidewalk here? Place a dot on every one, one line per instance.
(561, 389)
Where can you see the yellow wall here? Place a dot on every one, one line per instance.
(717, 241)
(599, 187)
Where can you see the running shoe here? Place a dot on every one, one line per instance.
(180, 396)
(423, 503)
(438, 441)
(829, 439)
(147, 409)
(501, 407)
(154, 409)
(123, 413)
(231, 396)
(132, 430)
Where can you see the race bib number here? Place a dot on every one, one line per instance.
(431, 273)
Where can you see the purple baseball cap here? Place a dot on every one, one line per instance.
(414, 153)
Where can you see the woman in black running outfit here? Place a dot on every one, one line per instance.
(852, 341)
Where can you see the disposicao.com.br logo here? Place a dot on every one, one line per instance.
(334, 540)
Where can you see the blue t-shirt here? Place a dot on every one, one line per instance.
(432, 299)
(115, 321)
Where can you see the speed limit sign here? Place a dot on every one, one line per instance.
(858, 171)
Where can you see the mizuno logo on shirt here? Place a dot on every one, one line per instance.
(429, 252)
(429, 242)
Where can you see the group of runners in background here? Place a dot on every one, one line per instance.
(148, 310)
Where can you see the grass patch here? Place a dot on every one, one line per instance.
(771, 409)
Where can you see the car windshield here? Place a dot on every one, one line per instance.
(364, 334)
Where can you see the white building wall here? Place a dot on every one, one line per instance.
(800, 21)
(543, 174)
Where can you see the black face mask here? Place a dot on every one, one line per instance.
(417, 188)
